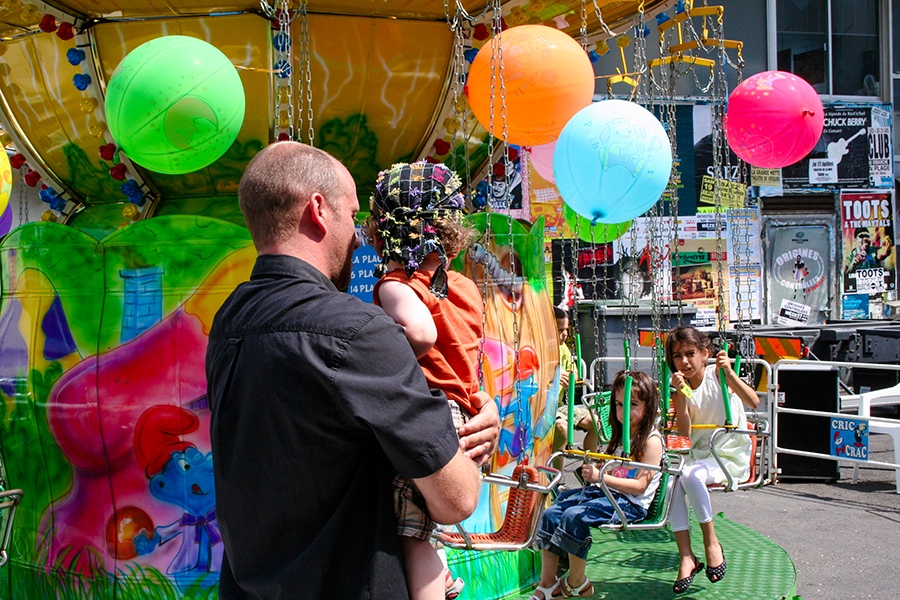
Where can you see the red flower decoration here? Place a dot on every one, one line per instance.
(48, 24)
(283, 137)
(16, 161)
(432, 160)
(499, 169)
(481, 32)
(118, 171)
(65, 31)
(503, 25)
(107, 151)
(441, 147)
(31, 178)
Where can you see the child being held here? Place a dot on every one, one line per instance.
(416, 226)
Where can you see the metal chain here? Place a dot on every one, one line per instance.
(305, 65)
(284, 102)
(584, 37)
(718, 115)
(21, 202)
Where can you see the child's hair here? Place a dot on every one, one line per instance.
(685, 335)
(416, 210)
(559, 313)
(644, 390)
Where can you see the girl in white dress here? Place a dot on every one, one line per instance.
(697, 399)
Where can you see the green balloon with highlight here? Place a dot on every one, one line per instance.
(175, 104)
(601, 233)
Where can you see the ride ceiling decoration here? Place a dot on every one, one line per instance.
(379, 94)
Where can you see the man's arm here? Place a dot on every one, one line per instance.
(452, 492)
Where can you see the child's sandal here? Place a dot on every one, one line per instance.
(452, 587)
(546, 592)
(682, 585)
(585, 590)
(715, 574)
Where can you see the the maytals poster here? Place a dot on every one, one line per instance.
(869, 258)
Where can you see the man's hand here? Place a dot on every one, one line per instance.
(479, 437)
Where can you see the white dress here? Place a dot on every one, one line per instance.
(705, 406)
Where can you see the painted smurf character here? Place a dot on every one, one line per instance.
(180, 475)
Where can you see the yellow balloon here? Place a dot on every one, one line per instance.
(5, 181)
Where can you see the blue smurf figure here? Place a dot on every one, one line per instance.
(180, 475)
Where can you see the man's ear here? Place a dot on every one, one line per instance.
(319, 214)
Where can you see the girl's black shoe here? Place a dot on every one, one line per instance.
(682, 585)
(715, 574)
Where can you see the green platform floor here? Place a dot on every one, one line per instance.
(642, 566)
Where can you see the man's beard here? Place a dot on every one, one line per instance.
(342, 279)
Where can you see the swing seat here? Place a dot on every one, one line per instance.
(598, 405)
(758, 437)
(9, 500)
(526, 503)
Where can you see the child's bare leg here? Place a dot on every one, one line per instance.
(591, 442)
(711, 545)
(576, 571)
(686, 554)
(560, 436)
(549, 564)
(424, 569)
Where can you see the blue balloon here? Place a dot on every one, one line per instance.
(612, 161)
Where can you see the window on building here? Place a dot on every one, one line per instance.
(832, 44)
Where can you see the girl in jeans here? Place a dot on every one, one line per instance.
(566, 526)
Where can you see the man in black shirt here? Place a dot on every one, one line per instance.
(317, 399)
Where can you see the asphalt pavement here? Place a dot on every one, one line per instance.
(844, 539)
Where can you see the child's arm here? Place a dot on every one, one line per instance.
(401, 304)
(679, 403)
(735, 383)
(653, 451)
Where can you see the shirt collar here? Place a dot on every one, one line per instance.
(268, 265)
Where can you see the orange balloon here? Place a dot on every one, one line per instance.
(547, 78)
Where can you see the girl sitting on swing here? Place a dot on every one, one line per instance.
(566, 526)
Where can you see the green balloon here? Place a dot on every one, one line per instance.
(600, 233)
(175, 104)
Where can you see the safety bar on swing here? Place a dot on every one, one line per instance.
(664, 467)
(762, 431)
(9, 499)
(522, 483)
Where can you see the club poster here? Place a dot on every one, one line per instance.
(869, 258)
(854, 151)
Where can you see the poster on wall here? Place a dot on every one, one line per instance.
(869, 263)
(798, 273)
(854, 151)
(505, 191)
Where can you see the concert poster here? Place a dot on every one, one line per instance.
(855, 150)
(869, 256)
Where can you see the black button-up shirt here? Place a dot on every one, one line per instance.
(316, 400)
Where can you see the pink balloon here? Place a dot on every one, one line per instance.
(774, 119)
(542, 160)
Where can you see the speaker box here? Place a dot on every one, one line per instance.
(812, 387)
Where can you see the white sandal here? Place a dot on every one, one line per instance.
(546, 591)
(576, 592)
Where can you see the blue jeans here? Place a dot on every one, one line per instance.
(566, 526)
